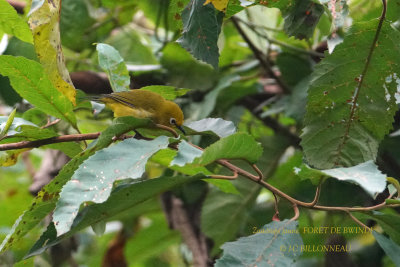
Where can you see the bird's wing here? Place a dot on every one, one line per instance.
(120, 99)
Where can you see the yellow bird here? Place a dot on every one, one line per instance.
(143, 104)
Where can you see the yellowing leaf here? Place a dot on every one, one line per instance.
(10, 158)
(218, 4)
(44, 23)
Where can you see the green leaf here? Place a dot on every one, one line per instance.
(235, 146)
(391, 249)
(302, 19)
(270, 247)
(124, 198)
(201, 27)
(94, 179)
(365, 175)
(75, 23)
(390, 223)
(44, 22)
(184, 71)
(216, 126)
(186, 154)
(46, 199)
(129, 39)
(30, 81)
(11, 23)
(343, 107)
(113, 64)
(168, 92)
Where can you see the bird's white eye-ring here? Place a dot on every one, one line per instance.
(172, 121)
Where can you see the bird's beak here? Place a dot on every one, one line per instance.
(181, 129)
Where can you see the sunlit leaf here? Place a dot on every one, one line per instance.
(235, 146)
(29, 79)
(11, 23)
(218, 4)
(168, 92)
(44, 22)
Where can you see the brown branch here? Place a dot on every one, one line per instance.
(51, 140)
(265, 64)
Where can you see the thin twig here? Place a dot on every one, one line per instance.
(357, 220)
(169, 129)
(273, 41)
(276, 215)
(50, 123)
(260, 56)
(296, 212)
(224, 177)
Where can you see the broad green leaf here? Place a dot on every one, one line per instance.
(201, 27)
(235, 146)
(113, 64)
(184, 71)
(94, 179)
(391, 249)
(217, 126)
(344, 106)
(365, 175)
(168, 92)
(28, 132)
(29, 79)
(12, 23)
(277, 244)
(390, 223)
(124, 198)
(75, 23)
(44, 23)
(129, 39)
(6, 125)
(301, 20)
(221, 207)
(46, 199)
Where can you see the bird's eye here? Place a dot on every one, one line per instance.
(172, 121)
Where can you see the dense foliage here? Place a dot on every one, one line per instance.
(290, 156)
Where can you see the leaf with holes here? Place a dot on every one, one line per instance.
(201, 28)
(113, 64)
(348, 96)
(94, 179)
(29, 79)
(44, 22)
